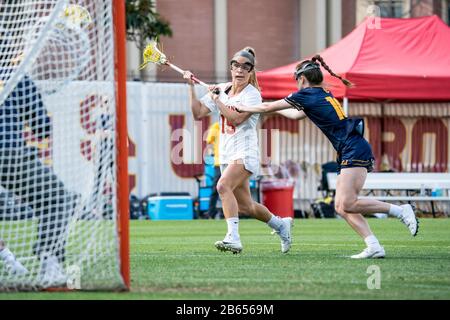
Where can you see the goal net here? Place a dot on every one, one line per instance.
(58, 145)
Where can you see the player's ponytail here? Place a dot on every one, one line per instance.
(326, 67)
(253, 80)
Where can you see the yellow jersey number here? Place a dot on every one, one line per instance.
(337, 107)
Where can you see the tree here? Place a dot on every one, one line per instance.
(144, 23)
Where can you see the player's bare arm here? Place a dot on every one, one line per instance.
(265, 107)
(199, 111)
(233, 117)
(292, 113)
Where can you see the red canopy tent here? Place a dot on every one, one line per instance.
(405, 59)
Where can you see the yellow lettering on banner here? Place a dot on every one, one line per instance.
(337, 107)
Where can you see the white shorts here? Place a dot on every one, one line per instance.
(251, 164)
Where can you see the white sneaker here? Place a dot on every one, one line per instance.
(15, 268)
(408, 218)
(52, 273)
(370, 253)
(285, 234)
(228, 244)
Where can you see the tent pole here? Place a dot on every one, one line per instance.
(346, 106)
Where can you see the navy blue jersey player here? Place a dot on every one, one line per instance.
(354, 154)
(345, 134)
(24, 175)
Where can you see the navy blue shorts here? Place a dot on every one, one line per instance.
(356, 152)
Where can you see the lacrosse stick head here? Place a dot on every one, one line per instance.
(152, 54)
(77, 16)
(67, 41)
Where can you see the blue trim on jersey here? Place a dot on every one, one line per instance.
(293, 103)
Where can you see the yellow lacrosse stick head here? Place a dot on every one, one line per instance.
(152, 54)
(77, 16)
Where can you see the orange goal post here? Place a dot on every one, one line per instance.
(64, 211)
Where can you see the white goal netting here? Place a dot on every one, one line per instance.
(58, 211)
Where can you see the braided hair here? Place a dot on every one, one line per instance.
(313, 73)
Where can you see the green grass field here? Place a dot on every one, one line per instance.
(177, 260)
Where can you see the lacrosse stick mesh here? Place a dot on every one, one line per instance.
(152, 54)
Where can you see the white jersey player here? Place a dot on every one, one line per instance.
(238, 152)
(237, 142)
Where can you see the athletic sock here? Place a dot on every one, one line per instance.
(395, 211)
(233, 228)
(372, 242)
(275, 222)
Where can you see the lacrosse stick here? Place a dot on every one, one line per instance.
(154, 55)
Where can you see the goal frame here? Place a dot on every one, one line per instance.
(119, 22)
